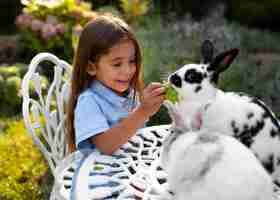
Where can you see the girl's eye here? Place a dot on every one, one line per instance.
(117, 64)
(132, 61)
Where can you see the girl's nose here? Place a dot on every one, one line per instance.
(128, 69)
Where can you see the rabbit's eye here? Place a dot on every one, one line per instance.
(193, 76)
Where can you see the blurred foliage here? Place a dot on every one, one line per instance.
(96, 4)
(9, 9)
(161, 55)
(262, 14)
(257, 40)
(109, 9)
(254, 13)
(197, 8)
(133, 9)
(53, 26)
(23, 170)
(9, 90)
(10, 83)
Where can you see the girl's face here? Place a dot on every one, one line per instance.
(117, 68)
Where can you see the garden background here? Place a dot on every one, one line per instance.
(170, 33)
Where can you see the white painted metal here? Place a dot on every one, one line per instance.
(44, 111)
(44, 117)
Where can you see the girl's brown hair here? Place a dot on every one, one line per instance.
(96, 39)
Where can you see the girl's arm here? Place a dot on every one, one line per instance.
(111, 140)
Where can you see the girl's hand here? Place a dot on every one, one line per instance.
(153, 97)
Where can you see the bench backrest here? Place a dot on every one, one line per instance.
(43, 106)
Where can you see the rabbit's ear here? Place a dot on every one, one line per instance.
(221, 62)
(207, 51)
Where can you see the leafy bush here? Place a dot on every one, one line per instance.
(262, 14)
(198, 9)
(23, 170)
(132, 9)
(256, 40)
(10, 83)
(9, 90)
(9, 71)
(8, 11)
(53, 26)
(161, 54)
(109, 9)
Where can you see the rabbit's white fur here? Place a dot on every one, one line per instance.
(205, 107)
(204, 165)
(202, 159)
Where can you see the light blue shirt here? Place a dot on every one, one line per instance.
(98, 109)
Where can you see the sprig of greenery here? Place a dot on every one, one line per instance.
(170, 93)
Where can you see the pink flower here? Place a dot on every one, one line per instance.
(19, 20)
(24, 20)
(48, 31)
(60, 28)
(51, 20)
(36, 25)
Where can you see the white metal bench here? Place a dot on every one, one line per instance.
(133, 169)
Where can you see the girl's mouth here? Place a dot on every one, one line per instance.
(123, 82)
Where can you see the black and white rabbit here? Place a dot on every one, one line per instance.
(204, 165)
(205, 107)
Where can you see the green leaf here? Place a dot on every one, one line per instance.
(170, 93)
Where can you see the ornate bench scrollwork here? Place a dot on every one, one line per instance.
(44, 116)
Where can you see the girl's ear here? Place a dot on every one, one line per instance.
(222, 62)
(91, 69)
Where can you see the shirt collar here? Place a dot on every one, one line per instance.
(108, 94)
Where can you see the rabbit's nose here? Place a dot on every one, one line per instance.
(176, 80)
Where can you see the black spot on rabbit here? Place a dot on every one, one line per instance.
(273, 133)
(250, 115)
(198, 88)
(268, 113)
(268, 164)
(193, 76)
(235, 129)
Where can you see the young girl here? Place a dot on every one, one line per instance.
(104, 111)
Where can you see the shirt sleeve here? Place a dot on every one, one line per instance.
(89, 119)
